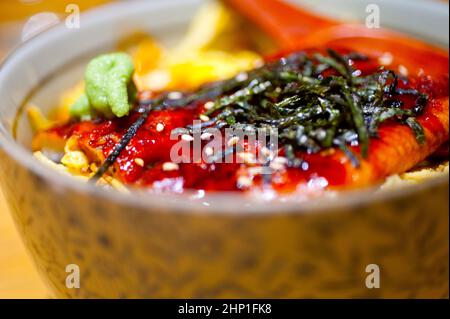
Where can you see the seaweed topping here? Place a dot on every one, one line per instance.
(315, 102)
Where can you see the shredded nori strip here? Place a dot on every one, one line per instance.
(125, 140)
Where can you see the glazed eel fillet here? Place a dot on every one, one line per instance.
(344, 120)
(396, 150)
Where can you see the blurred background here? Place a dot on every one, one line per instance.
(19, 20)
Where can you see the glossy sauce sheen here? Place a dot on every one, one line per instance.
(395, 151)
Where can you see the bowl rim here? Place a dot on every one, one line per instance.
(187, 202)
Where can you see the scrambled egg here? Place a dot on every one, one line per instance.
(415, 176)
(213, 49)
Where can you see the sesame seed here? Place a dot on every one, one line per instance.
(303, 139)
(357, 73)
(386, 59)
(170, 166)
(187, 138)
(159, 127)
(209, 151)
(233, 141)
(139, 162)
(206, 136)
(175, 95)
(278, 163)
(209, 105)
(266, 152)
(277, 166)
(241, 77)
(403, 70)
(244, 182)
(280, 160)
(305, 166)
(203, 117)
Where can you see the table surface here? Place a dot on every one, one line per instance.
(18, 276)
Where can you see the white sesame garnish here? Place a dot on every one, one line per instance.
(386, 59)
(357, 73)
(206, 136)
(303, 139)
(233, 141)
(139, 162)
(244, 182)
(403, 70)
(305, 166)
(280, 160)
(175, 95)
(266, 152)
(209, 105)
(277, 166)
(187, 138)
(170, 166)
(145, 95)
(278, 163)
(203, 117)
(241, 77)
(209, 151)
(159, 127)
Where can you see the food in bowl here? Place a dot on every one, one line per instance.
(300, 122)
(221, 245)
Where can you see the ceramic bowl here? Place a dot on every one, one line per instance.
(225, 245)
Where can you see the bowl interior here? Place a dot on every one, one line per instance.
(55, 60)
(423, 19)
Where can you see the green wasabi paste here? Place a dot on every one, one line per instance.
(109, 87)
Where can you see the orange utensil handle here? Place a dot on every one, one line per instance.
(296, 29)
(285, 23)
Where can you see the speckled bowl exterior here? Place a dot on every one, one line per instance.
(151, 253)
(166, 247)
